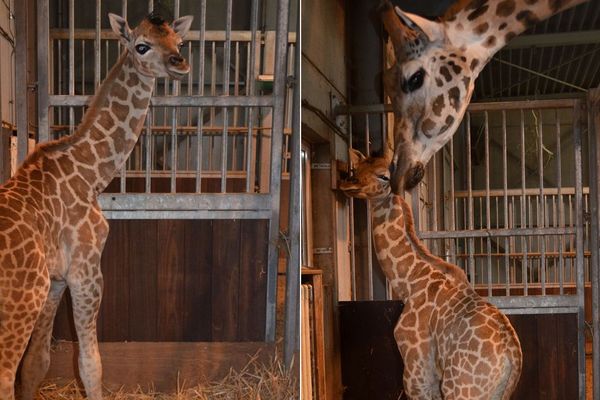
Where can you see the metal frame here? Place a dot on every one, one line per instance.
(428, 197)
(174, 205)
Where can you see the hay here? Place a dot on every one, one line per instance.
(256, 381)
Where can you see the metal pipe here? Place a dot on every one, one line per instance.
(279, 87)
(42, 69)
(292, 311)
(21, 80)
(579, 248)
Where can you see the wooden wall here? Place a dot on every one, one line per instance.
(181, 280)
(372, 366)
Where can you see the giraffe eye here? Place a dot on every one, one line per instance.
(142, 48)
(383, 178)
(414, 82)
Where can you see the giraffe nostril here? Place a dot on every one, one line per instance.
(175, 59)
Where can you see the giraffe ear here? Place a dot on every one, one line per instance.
(356, 157)
(120, 27)
(432, 30)
(182, 25)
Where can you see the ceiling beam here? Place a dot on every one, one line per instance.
(555, 39)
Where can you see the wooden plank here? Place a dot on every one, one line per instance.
(198, 244)
(225, 279)
(371, 363)
(547, 365)
(252, 290)
(170, 280)
(142, 257)
(113, 321)
(161, 365)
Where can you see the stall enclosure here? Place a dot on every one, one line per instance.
(196, 212)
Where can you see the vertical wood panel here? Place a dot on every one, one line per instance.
(198, 243)
(369, 370)
(170, 274)
(225, 279)
(253, 269)
(180, 280)
(142, 256)
(113, 321)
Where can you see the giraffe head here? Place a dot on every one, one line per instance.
(429, 85)
(436, 64)
(154, 45)
(370, 178)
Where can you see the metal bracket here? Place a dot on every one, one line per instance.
(322, 250)
(340, 119)
(320, 166)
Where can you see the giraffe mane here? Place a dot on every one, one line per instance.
(438, 263)
(454, 9)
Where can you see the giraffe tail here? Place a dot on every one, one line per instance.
(514, 364)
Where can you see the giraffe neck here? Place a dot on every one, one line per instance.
(482, 27)
(397, 255)
(112, 124)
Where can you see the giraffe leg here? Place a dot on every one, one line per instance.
(86, 297)
(37, 358)
(19, 310)
(418, 355)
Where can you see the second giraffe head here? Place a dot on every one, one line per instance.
(155, 45)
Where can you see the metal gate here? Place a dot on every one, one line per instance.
(215, 145)
(506, 200)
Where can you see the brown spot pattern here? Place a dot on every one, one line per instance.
(445, 73)
(481, 28)
(505, 8)
(490, 41)
(454, 97)
(438, 105)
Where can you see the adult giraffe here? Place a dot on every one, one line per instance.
(437, 62)
(52, 230)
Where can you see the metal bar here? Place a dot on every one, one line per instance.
(579, 246)
(279, 88)
(548, 301)
(452, 202)
(488, 219)
(369, 220)
(201, 69)
(561, 218)
(71, 61)
(488, 233)
(524, 264)
(211, 35)
(471, 244)
(505, 190)
(292, 311)
(184, 202)
(224, 147)
(594, 160)
(149, 146)
(21, 80)
(484, 106)
(175, 101)
(250, 84)
(186, 214)
(542, 207)
(97, 45)
(42, 69)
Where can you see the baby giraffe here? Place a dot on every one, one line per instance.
(454, 344)
(52, 230)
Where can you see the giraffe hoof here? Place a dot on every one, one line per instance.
(414, 175)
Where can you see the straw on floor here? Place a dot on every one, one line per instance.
(256, 381)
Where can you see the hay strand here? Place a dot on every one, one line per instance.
(256, 381)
